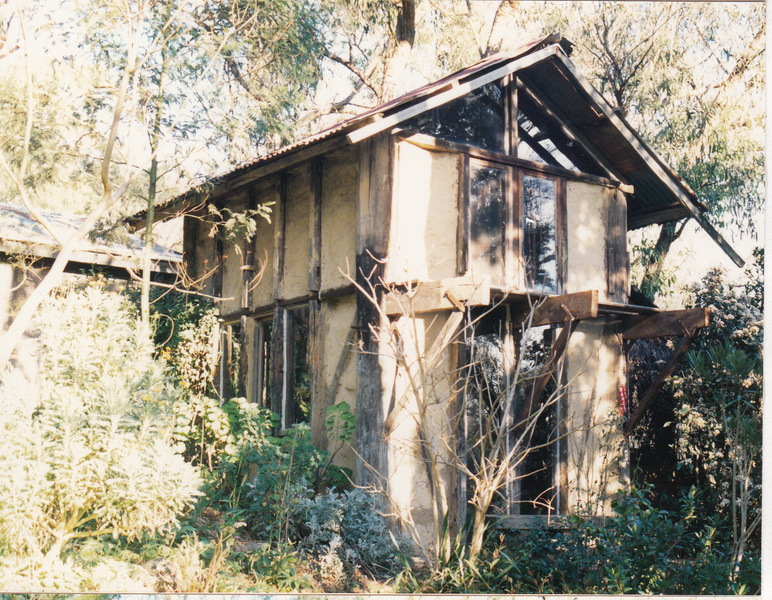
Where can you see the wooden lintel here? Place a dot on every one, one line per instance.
(651, 393)
(559, 309)
(444, 294)
(671, 322)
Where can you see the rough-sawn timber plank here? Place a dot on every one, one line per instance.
(444, 294)
(672, 322)
(558, 309)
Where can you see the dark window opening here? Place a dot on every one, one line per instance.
(487, 217)
(232, 373)
(477, 119)
(296, 384)
(262, 379)
(493, 401)
(540, 233)
(538, 489)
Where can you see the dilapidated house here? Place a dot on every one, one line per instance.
(498, 195)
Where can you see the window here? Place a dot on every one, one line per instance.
(493, 401)
(513, 217)
(263, 351)
(487, 218)
(230, 379)
(540, 226)
(477, 119)
(296, 374)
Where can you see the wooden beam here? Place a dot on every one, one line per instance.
(279, 218)
(571, 133)
(559, 309)
(454, 92)
(671, 322)
(315, 227)
(679, 189)
(248, 270)
(617, 259)
(665, 372)
(430, 296)
(430, 142)
(536, 147)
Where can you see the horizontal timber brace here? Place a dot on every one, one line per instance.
(430, 296)
(671, 322)
(559, 309)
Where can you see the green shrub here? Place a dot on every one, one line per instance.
(348, 525)
(285, 474)
(641, 550)
(90, 453)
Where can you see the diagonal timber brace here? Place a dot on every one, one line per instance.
(546, 372)
(664, 373)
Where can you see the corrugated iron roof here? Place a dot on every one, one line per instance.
(657, 187)
(19, 227)
(353, 122)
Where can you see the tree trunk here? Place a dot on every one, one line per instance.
(398, 51)
(651, 284)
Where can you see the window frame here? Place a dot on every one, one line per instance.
(560, 230)
(262, 384)
(504, 320)
(513, 255)
(283, 364)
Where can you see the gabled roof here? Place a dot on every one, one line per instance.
(554, 94)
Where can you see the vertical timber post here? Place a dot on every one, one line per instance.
(373, 224)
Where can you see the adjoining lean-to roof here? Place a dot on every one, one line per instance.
(579, 120)
(21, 234)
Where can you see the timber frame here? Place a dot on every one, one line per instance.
(508, 185)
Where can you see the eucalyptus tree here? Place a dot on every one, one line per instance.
(690, 78)
(172, 89)
(687, 76)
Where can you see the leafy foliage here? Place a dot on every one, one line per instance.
(91, 453)
(641, 550)
(348, 526)
(284, 476)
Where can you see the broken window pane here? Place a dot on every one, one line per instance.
(540, 233)
(487, 219)
(476, 119)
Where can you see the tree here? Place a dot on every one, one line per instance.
(172, 73)
(692, 86)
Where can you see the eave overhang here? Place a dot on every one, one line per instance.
(583, 126)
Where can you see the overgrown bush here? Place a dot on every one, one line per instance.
(641, 550)
(348, 526)
(285, 473)
(89, 453)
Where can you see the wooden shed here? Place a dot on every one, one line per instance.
(497, 196)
